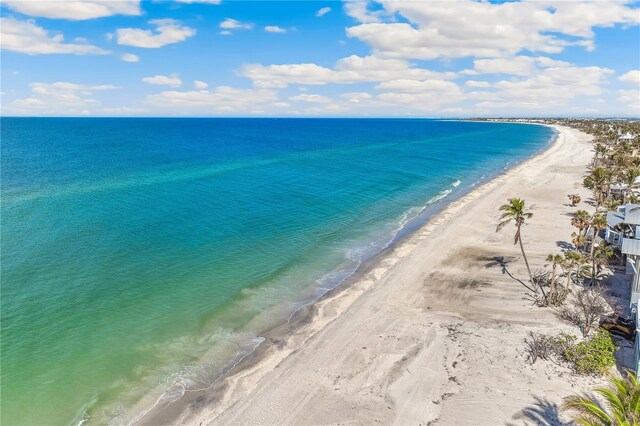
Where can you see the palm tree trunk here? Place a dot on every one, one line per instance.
(552, 288)
(568, 279)
(526, 262)
(593, 260)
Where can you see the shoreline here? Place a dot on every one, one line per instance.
(309, 320)
(304, 313)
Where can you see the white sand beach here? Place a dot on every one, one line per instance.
(432, 333)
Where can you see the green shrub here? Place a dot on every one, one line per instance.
(593, 356)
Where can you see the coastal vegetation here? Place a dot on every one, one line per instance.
(613, 179)
(590, 356)
(621, 404)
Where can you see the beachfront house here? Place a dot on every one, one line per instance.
(618, 191)
(623, 232)
(628, 137)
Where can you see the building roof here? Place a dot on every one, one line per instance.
(618, 186)
(614, 218)
(632, 214)
(631, 246)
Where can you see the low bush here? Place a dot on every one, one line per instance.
(590, 356)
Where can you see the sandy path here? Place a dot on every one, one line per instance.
(432, 334)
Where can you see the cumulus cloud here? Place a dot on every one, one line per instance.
(27, 37)
(631, 99)
(274, 29)
(315, 99)
(130, 57)
(356, 97)
(74, 10)
(59, 98)
(233, 24)
(167, 31)
(361, 12)
(484, 29)
(353, 69)
(547, 89)
(425, 95)
(200, 85)
(475, 83)
(222, 100)
(163, 80)
(632, 77)
(323, 11)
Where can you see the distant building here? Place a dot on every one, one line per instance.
(626, 138)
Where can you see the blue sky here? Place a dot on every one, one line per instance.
(320, 58)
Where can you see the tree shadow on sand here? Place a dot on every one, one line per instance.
(565, 245)
(542, 412)
(503, 262)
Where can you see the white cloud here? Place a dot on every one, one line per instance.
(130, 57)
(163, 80)
(323, 11)
(360, 11)
(353, 69)
(225, 33)
(475, 83)
(428, 95)
(517, 65)
(59, 98)
(422, 95)
(551, 87)
(356, 97)
(200, 85)
(484, 29)
(233, 24)
(418, 86)
(27, 37)
(274, 29)
(631, 100)
(632, 77)
(74, 10)
(222, 100)
(315, 99)
(167, 31)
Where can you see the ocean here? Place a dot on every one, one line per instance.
(143, 256)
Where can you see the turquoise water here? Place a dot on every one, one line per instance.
(142, 255)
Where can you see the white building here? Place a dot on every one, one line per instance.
(626, 138)
(623, 231)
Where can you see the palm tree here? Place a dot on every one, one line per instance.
(573, 260)
(581, 220)
(598, 181)
(554, 260)
(600, 150)
(514, 210)
(622, 402)
(629, 176)
(598, 223)
(578, 240)
(574, 199)
(601, 257)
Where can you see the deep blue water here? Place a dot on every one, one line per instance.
(140, 253)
